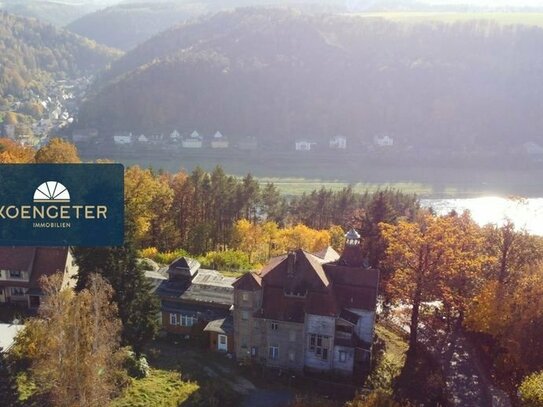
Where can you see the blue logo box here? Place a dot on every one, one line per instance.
(61, 204)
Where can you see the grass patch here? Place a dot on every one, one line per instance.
(298, 186)
(26, 387)
(162, 388)
(390, 358)
(396, 346)
(234, 274)
(413, 17)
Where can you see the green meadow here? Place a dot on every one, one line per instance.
(511, 18)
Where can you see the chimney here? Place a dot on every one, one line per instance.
(291, 260)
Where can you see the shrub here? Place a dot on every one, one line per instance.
(148, 252)
(229, 260)
(531, 390)
(162, 257)
(377, 398)
(136, 367)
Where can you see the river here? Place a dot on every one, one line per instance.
(526, 213)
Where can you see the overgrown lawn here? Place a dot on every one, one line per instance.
(162, 388)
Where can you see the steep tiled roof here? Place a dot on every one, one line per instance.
(48, 261)
(208, 287)
(357, 276)
(17, 258)
(356, 297)
(223, 326)
(306, 270)
(321, 303)
(272, 264)
(248, 282)
(327, 255)
(39, 261)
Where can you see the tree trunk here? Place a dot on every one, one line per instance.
(413, 328)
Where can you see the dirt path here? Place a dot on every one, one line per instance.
(466, 379)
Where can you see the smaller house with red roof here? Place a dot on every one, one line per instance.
(21, 269)
(309, 312)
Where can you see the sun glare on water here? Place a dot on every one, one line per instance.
(524, 213)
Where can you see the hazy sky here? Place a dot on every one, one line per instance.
(492, 3)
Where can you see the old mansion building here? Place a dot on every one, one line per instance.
(308, 312)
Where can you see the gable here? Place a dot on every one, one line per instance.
(248, 282)
(299, 269)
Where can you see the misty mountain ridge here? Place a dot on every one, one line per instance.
(280, 75)
(33, 52)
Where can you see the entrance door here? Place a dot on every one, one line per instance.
(2, 295)
(223, 343)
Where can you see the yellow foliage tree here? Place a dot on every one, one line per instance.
(148, 200)
(248, 237)
(77, 360)
(301, 236)
(13, 153)
(58, 151)
(431, 260)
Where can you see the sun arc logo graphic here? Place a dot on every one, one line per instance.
(51, 192)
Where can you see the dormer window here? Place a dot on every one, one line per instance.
(295, 293)
(15, 274)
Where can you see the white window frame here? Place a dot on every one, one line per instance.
(342, 356)
(319, 345)
(173, 319)
(19, 277)
(186, 320)
(14, 291)
(274, 326)
(273, 352)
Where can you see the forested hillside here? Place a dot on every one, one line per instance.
(131, 23)
(281, 75)
(126, 25)
(32, 52)
(59, 13)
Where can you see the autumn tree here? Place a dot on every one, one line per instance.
(138, 306)
(426, 256)
(13, 153)
(511, 316)
(511, 250)
(248, 237)
(148, 200)
(58, 151)
(302, 237)
(78, 355)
